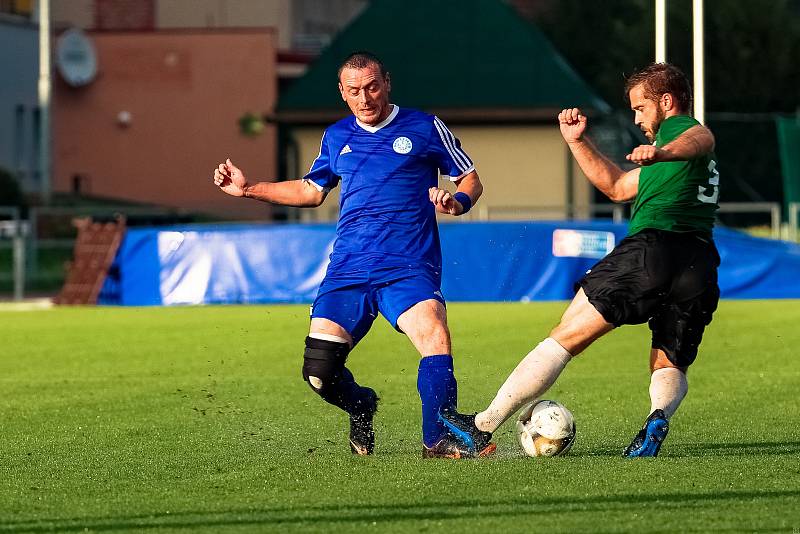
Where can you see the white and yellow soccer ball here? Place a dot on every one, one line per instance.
(545, 428)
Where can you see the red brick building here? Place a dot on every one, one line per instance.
(162, 112)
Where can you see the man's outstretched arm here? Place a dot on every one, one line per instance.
(451, 203)
(604, 174)
(299, 193)
(695, 142)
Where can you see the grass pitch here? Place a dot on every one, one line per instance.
(197, 419)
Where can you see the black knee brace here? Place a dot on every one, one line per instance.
(323, 363)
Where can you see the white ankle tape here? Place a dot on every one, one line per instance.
(328, 337)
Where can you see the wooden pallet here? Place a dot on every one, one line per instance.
(95, 249)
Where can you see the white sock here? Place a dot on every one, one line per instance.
(532, 377)
(668, 387)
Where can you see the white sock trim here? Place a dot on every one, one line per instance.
(557, 349)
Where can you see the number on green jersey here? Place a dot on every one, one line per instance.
(713, 186)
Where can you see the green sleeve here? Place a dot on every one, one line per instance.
(673, 127)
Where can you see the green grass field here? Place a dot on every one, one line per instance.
(197, 419)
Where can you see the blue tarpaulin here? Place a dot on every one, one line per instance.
(499, 261)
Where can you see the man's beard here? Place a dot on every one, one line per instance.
(660, 116)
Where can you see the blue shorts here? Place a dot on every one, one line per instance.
(353, 300)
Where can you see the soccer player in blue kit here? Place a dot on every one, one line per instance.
(387, 256)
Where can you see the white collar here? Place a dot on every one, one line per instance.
(384, 122)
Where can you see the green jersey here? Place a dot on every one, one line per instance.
(677, 196)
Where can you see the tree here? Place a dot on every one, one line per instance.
(751, 47)
(751, 67)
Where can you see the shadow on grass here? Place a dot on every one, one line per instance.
(764, 448)
(697, 450)
(359, 513)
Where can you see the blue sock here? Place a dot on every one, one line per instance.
(437, 388)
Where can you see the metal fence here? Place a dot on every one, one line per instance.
(27, 239)
(772, 208)
(36, 242)
(15, 229)
(794, 215)
(33, 239)
(486, 212)
(619, 212)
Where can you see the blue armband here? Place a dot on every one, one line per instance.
(464, 200)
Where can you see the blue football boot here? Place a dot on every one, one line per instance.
(447, 447)
(476, 443)
(649, 439)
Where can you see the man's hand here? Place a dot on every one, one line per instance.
(230, 179)
(572, 124)
(647, 155)
(444, 201)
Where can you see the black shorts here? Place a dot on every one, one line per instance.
(667, 279)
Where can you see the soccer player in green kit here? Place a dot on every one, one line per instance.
(663, 273)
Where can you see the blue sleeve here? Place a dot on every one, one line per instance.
(321, 175)
(445, 149)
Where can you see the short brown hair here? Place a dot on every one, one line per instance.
(660, 79)
(360, 60)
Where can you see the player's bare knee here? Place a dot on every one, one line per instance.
(433, 338)
(659, 360)
(323, 362)
(437, 330)
(326, 327)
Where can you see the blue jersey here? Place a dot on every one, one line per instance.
(386, 218)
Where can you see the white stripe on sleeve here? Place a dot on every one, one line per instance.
(310, 181)
(448, 144)
(316, 185)
(460, 176)
(321, 141)
(449, 140)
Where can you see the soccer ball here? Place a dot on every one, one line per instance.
(545, 428)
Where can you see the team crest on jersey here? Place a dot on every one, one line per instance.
(402, 145)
